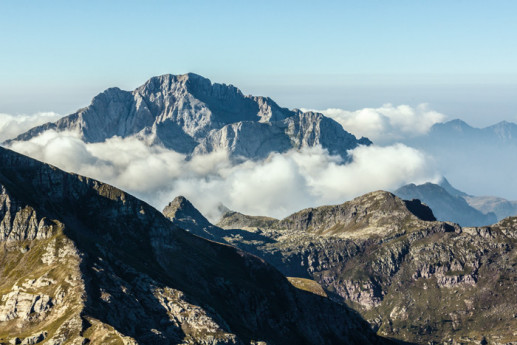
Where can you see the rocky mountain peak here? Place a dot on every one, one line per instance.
(457, 124)
(169, 83)
(367, 215)
(377, 213)
(458, 131)
(399, 269)
(505, 131)
(191, 115)
(181, 208)
(445, 184)
(226, 103)
(185, 215)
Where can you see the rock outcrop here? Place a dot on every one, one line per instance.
(83, 262)
(190, 115)
(413, 278)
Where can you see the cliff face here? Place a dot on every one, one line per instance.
(85, 262)
(190, 115)
(413, 278)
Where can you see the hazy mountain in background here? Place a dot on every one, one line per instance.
(446, 207)
(457, 130)
(451, 204)
(501, 207)
(413, 278)
(190, 115)
(479, 160)
(445, 184)
(83, 262)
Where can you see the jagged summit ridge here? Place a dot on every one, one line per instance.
(365, 216)
(190, 114)
(375, 210)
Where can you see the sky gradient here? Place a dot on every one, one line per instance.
(459, 56)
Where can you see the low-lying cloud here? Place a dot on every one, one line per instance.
(12, 125)
(387, 124)
(277, 186)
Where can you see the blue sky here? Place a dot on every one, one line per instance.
(459, 56)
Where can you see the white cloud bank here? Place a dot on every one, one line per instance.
(387, 124)
(281, 184)
(12, 125)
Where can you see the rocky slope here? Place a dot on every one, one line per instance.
(190, 115)
(413, 278)
(83, 262)
(446, 207)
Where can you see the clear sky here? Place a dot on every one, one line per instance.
(458, 55)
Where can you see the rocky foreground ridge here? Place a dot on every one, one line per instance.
(190, 115)
(413, 278)
(85, 263)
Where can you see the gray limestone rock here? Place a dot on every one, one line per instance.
(413, 278)
(189, 114)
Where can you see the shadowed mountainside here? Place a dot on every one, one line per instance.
(83, 262)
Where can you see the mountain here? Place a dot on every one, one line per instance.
(501, 207)
(413, 278)
(445, 206)
(190, 115)
(186, 216)
(456, 130)
(451, 204)
(444, 183)
(504, 131)
(85, 263)
(479, 158)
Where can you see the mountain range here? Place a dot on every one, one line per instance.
(451, 204)
(83, 262)
(86, 263)
(458, 130)
(476, 159)
(411, 277)
(190, 115)
(445, 206)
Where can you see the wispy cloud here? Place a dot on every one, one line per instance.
(12, 125)
(277, 186)
(387, 124)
